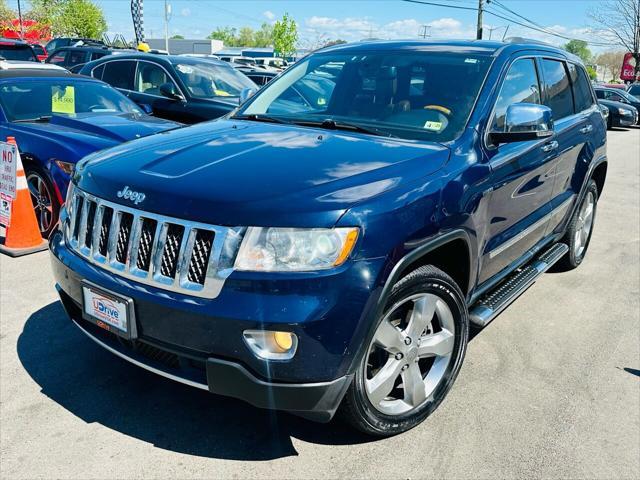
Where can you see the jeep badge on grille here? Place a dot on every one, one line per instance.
(127, 194)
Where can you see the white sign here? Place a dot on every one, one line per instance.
(5, 210)
(8, 166)
(108, 310)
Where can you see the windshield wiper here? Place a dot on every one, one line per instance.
(260, 118)
(331, 124)
(42, 119)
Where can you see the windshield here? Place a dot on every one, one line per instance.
(635, 90)
(17, 52)
(206, 80)
(33, 100)
(627, 96)
(418, 95)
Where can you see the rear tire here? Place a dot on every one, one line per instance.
(413, 358)
(580, 229)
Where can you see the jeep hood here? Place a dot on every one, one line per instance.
(231, 172)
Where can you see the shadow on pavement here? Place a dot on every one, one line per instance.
(97, 386)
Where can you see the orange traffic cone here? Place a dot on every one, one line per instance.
(22, 236)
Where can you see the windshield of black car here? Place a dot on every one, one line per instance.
(17, 52)
(37, 99)
(418, 95)
(206, 80)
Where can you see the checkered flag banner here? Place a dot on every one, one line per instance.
(138, 19)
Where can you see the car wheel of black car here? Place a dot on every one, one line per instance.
(413, 358)
(44, 199)
(580, 229)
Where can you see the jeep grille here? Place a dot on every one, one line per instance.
(172, 254)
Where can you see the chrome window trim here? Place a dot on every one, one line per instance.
(220, 265)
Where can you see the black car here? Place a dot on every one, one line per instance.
(617, 95)
(620, 114)
(259, 76)
(11, 49)
(185, 89)
(634, 89)
(74, 58)
(60, 42)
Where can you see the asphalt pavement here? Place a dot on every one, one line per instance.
(550, 389)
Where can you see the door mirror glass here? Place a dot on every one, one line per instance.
(169, 90)
(246, 94)
(524, 121)
(146, 108)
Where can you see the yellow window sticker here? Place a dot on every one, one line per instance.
(221, 93)
(63, 100)
(431, 125)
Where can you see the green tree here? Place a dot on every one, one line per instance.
(246, 37)
(593, 75)
(579, 48)
(264, 36)
(228, 35)
(285, 36)
(80, 18)
(6, 14)
(177, 37)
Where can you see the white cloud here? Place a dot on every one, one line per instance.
(269, 15)
(445, 24)
(185, 12)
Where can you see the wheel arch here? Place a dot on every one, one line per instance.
(599, 176)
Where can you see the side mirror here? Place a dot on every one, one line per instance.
(246, 94)
(523, 122)
(169, 90)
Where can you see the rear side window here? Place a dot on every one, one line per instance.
(97, 55)
(581, 89)
(557, 89)
(97, 72)
(120, 74)
(519, 86)
(17, 52)
(76, 57)
(599, 94)
(58, 57)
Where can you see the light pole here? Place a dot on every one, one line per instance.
(167, 17)
(20, 21)
(479, 27)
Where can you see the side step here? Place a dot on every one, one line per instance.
(491, 304)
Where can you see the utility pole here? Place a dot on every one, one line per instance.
(425, 31)
(20, 21)
(479, 29)
(167, 16)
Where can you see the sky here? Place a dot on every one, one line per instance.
(350, 20)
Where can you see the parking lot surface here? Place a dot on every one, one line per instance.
(550, 389)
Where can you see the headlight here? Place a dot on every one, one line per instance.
(625, 112)
(295, 249)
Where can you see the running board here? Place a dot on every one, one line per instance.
(491, 304)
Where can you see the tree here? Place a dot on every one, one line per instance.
(285, 36)
(264, 36)
(177, 37)
(335, 42)
(621, 21)
(6, 14)
(593, 74)
(228, 35)
(611, 62)
(579, 48)
(81, 18)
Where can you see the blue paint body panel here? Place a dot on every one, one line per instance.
(402, 194)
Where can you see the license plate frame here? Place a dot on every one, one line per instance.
(115, 303)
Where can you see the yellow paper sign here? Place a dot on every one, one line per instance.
(63, 100)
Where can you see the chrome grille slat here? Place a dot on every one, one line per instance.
(133, 244)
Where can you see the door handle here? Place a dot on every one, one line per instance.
(586, 129)
(547, 147)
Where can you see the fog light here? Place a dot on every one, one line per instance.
(271, 345)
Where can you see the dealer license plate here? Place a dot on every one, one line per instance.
(109, 311)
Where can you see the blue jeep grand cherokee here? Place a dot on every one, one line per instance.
(328, 246)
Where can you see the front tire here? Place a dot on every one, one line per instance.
(413, 358)
(44, 199)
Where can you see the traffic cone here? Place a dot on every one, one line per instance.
(22, 236)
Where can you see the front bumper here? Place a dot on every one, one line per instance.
(199, 341)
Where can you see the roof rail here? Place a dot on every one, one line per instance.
(527, 40)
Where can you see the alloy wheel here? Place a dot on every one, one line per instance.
(409, 354)
(584, 224)
(42, 200)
